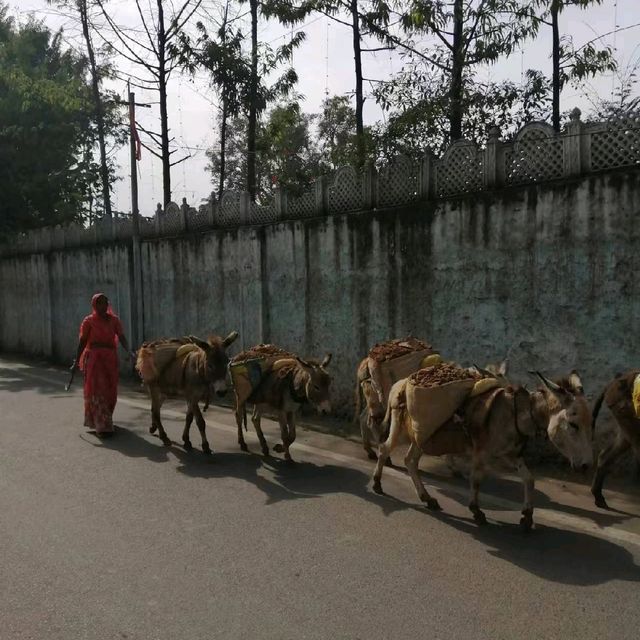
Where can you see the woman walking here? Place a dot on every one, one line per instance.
(97, 358)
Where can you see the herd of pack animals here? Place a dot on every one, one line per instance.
(495, 431)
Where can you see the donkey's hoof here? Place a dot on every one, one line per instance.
(432, 504)
(278, 448)
(480, 518)
(372, 455)
(243, 446)
(389, 463)
(153, 428)
(187, 445)
(526, 522)
(206, 449)
(166, 441)
(601, 502)
(377, 487)
(265, 451)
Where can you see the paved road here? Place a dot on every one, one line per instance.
(128, 539)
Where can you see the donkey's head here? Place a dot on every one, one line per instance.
(569, 418)
(315, 381)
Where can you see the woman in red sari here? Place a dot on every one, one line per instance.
(97, 357)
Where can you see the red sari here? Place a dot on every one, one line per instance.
(99, 363)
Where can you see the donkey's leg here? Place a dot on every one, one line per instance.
(606, 458)
(385, 449)
(156, 404)
(284, 432)
(241, 415)
(187, 426)
(256, 419)
(291, 435)
(411, 461)
(476, 476)
(365, 433)
(201, 426)
(526, 522)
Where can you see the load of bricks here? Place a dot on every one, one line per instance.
(392, 349)
(440, 374)
(262, 351)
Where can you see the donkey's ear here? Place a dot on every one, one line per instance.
(326, 361)
(230, 339)
(549, 384)
(502, 368)
(304, 363)
(576, 382)
(203, 344)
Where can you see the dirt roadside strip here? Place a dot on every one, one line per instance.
(319, 439)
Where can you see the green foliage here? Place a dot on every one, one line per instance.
(418, 106)
(337, 132)
(47, 133)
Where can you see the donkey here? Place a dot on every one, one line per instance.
(617, 395)
(187, 367)
(284, 390)
(497, 425)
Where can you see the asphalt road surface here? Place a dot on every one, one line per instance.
(128, 539)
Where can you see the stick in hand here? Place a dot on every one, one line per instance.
(73, 373)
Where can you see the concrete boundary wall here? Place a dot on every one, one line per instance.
(548, 274)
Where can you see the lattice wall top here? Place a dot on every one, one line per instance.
(536, 154)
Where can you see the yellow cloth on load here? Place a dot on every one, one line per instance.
(431, 360)
(484, 385)
(635, 395)
(186, 348)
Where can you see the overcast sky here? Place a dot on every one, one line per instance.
(324, 63)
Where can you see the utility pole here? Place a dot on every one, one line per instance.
(137, 304)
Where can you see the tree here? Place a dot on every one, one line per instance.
(569, 63)
(286, 152)
(337, 133)
(234, 176)
(223, 58)
(245, 82)
(468, 33)
(286, 155)
(150, 47)
(288, 14)
(418, 107)
(47, 129)
(96, 73)
(360, 19)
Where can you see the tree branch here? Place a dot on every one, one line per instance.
(175, 25)
(144, 24)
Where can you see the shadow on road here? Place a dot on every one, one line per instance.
(276, 478)
(564, 556)
(558, 555)
(513, 490)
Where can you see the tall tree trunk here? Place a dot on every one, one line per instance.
(455, 90)
(164, 117)
(223, 119)
(555, 118)
(223, 147)
(99, 111)
(357, 57)
(253, 106)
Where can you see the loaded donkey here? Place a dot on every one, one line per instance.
(494, 427)
(287, 385)
(187, 367)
